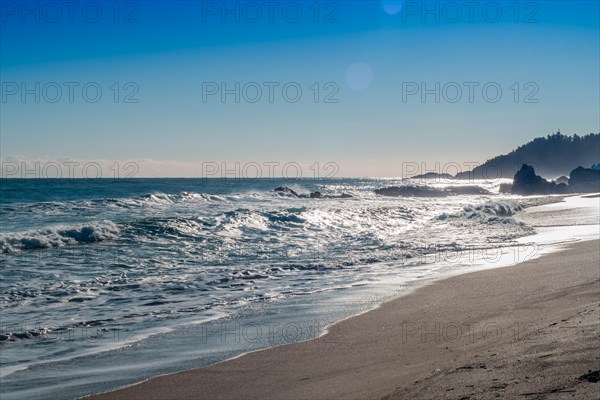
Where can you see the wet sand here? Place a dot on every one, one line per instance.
(530, 331)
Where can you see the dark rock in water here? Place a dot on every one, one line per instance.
(562, 179)
(505, 187)
(318, 195)
(527, 182)
(472, 189)
(585, 180)
(286, 190)
(412, 191)
(581, 179)
(434, 175)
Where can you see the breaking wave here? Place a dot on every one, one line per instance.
(58, 236)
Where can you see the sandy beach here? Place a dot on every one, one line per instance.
(528, 331)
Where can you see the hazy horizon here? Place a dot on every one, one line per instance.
(19, 167)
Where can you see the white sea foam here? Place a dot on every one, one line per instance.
(58, 236)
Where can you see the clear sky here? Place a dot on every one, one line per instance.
(382, 82)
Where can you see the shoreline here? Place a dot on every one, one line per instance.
(357, 351)
(201, 345)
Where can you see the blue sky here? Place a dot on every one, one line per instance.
(154, 62)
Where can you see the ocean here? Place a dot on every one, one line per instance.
(104, 283)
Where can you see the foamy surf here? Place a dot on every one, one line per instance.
(146, 265)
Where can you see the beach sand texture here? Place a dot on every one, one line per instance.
(528, 331)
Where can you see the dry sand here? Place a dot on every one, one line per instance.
(528, 332)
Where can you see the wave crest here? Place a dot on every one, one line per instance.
(58, 236)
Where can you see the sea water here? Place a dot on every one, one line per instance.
(104, 283)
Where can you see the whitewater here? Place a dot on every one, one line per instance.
(104, 283)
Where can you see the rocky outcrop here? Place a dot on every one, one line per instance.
(286, 191)
(319, 195)
(585, 180)
(581, 180)
(434, 175)
(527, 182)
(467, 189)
